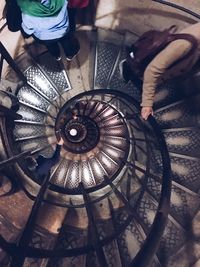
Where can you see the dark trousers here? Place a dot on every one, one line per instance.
(53, 45)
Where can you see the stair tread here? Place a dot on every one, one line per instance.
(54, 71)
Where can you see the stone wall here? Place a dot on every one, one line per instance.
(141, 15)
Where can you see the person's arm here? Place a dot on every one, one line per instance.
(56, 156)
(157, 67)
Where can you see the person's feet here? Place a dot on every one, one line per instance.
(58, 58)
(75, 48)
(69, 58)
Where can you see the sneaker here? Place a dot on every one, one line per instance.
(58, 58)
(69, 58)
(75, 48)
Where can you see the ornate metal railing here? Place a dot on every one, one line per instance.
(182, 8)
(98, 110)
(151, 243)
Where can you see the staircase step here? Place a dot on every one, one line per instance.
(28, 96)
(172, 240)
(185, 171)
(86, 57)
(107, 52)
(179, 114)
(178, 89)
(40, 83)
(130, 242)
(49, 223)
(54, 72)
(25, 130)
(184, 257)
(112, 254)
(174, 234)
(73, 234)
(34, 144)
(184, 141)
(75, 77)
(116, 82)
(184, 203)
(104, 224)
(30, 114)
(168, 93)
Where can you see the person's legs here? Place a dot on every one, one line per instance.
(72, 20)
(52, 46)
(53, 49)
(70, 45)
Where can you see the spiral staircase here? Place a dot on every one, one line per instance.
(106, 202)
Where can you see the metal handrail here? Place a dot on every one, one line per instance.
(151, 244)
(152, 241)
(5, 55)
(186, 10)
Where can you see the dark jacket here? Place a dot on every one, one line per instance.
(44, 165)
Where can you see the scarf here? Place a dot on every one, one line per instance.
(35, 8)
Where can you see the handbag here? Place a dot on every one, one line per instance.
(13, 16)
(78, 3)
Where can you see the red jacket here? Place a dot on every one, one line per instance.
(78, 3)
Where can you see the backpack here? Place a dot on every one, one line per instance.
(141, 53)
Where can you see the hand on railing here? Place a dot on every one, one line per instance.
(146, 111)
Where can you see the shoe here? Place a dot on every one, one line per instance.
(75, 48)
(69, 58)
(58, 58)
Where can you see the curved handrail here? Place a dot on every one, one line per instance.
(188, 11)
(149, 248)
(152, 241)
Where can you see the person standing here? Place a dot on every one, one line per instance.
(48, 22)
(174, 60)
